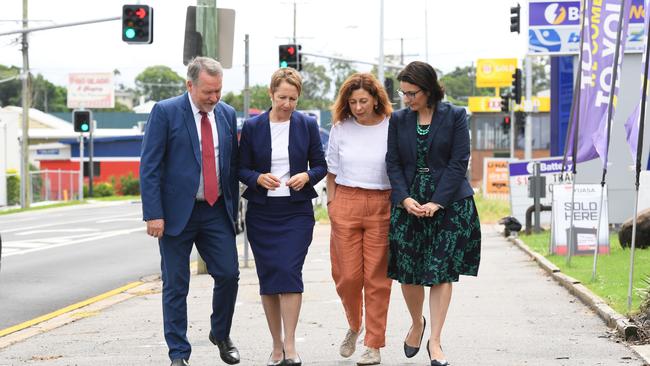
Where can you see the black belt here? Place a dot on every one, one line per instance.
(422, 170)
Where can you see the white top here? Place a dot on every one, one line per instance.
(356, 154)
(197, 121)
(280, 157)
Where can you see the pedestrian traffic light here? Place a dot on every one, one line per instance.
(137, 24)
(515, 18)
(505, 124)
(81, 120)
(516, 86)
(505, 103)
(290, 56)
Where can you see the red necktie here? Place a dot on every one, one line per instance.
(210, 184)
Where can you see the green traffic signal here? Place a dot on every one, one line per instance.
(129, 33)
(283, 64)
(85, 127)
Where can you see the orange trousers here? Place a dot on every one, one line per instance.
(360, 220)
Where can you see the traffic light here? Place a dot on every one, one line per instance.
(516, 86)
(137, 24)
(505, 124)
(290, 56)
(81, 119)
(515, 18)
(505, 103)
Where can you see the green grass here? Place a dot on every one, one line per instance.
(44, 207)
(321, 216)
(612, 273)
(491, 210)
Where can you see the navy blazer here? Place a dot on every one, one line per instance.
(447, 158)
(170, 162)
(304, 148)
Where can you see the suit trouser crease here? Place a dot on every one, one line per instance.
(212, 233)
(359, 253)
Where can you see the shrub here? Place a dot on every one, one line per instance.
(13, 188)
(103, 190)
(129, 186)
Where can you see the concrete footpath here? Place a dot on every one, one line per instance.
(513, 313)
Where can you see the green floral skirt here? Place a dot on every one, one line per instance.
(432, 250)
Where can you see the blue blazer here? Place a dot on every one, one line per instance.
(447, 158)
(304, 149)
(170, 163)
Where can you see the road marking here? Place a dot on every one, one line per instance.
(67, 309)
(41, 225)
(84, 239)
(31, 232)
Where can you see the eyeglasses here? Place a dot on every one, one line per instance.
(409, 94)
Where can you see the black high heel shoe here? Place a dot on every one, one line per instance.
(412, 351)
(272, 362)
(436, 362)
(293, 361)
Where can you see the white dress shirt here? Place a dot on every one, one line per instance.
(213, 125)
(280, 157)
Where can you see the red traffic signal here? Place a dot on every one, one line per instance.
(137, 24)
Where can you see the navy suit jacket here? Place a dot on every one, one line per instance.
(305, 150)
(170, 163)
(447, 158)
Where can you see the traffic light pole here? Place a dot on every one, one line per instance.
(81, 167)
(91, 151)
(528, 131)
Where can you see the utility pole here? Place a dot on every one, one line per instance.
(294, 23)
(25, 186)
(380, 68)
(247, 99)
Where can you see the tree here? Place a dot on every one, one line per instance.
(159, 82)
(341, 70)
(11, 88)
(259, 98)
(541, 69)
(316, 86)
(460, 84)
(45, 95)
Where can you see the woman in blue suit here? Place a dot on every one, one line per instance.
(435, 233)
(281, 160)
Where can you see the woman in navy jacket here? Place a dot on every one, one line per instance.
(435, 233)
(281, 158)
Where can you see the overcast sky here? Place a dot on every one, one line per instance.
(460, 32)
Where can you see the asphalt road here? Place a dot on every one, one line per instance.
(57, 257)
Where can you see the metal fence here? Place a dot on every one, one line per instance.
(45, 185)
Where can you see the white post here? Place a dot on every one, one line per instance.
(380, 67)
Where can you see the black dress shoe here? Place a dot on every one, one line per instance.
(436, 362)
(272, 362)
(227, 350)
(180, 362)
(293, 361)
(412, 351)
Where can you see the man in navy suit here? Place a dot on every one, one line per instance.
(190, 193)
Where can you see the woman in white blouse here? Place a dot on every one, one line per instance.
(359, 210)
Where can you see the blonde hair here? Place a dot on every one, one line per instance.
(366, 81)
(288, 75)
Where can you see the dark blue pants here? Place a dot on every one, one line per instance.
(209, 228)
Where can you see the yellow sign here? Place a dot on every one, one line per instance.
(495, 72)
(493, 104)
